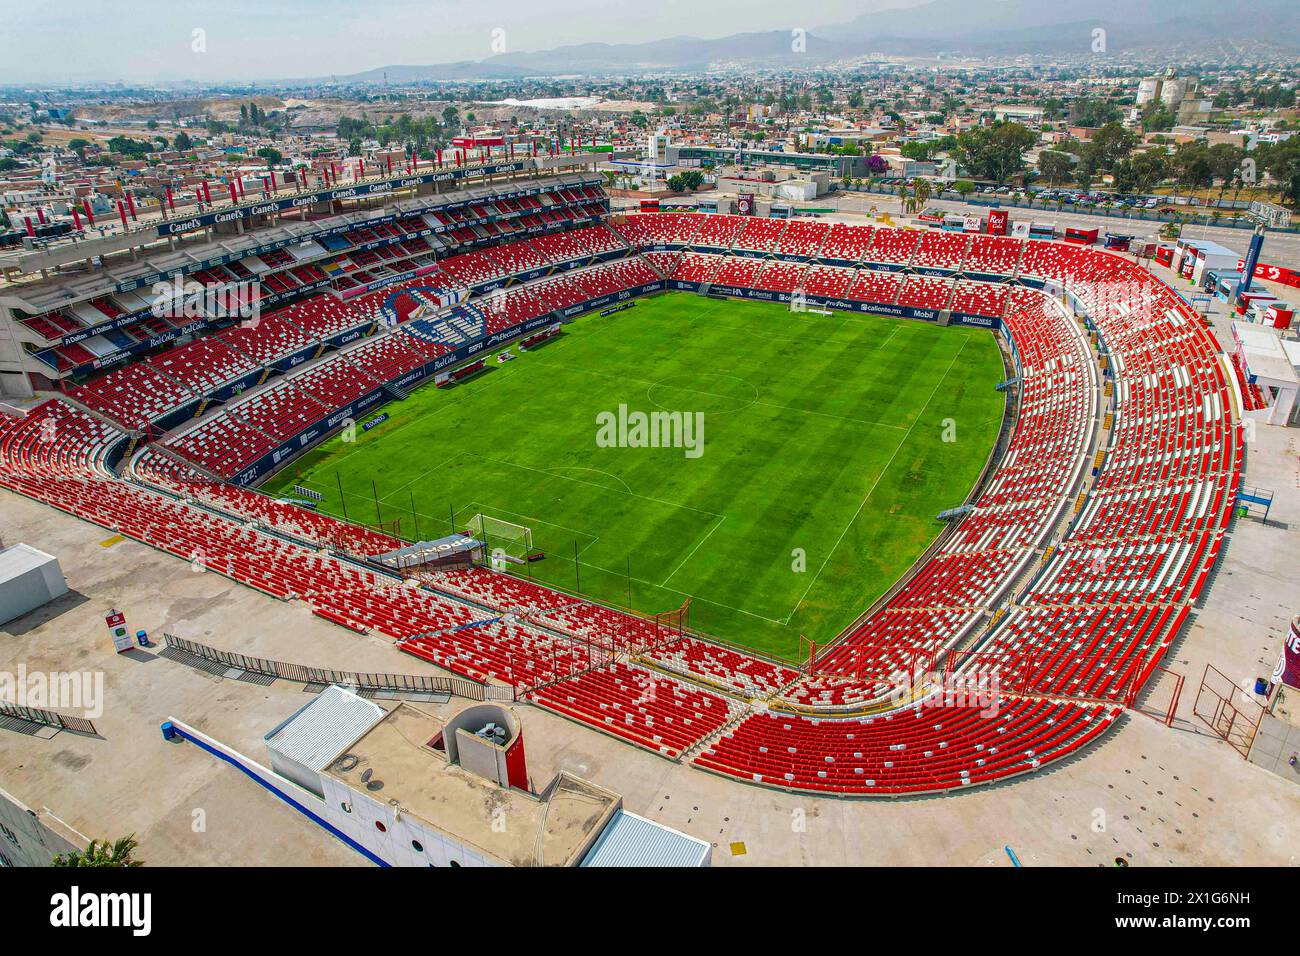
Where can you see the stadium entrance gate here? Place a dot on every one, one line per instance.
(1227, 710)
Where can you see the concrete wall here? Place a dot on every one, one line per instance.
(344, 813)
(396, 843)
(299, 798)
(30, 589)
(28, 838)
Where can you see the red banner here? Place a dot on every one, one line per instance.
(1277, 274)
(998, 221)
(1288, 666)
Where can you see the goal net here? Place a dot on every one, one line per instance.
(504, 540)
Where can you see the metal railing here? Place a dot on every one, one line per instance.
(302, 673)
(49, 718)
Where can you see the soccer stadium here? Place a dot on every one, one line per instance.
(875, 522)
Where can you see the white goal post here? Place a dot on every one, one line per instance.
(515, 540)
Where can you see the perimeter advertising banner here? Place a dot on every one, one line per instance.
(998, 222)
(1279, 274)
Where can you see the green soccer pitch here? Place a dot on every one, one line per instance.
(830, 442)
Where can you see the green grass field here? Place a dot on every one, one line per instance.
(823, 461)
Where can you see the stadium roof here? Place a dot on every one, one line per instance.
(320, 731)
(632, 840)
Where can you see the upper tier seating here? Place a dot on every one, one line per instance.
(802, 237)
(893, 245)
(941, 250)
(271, 337)
(759, 235)
(993, 254)
(846, 242)
(664, 228)
(719, 231)
(133, 395)
(203, 365)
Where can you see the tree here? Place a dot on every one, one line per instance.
(1191, 165)
(1282, 162)
(272, 156)
(1108, 146)
(182, 142)
(1157, 119)
(916, 149)
(964, 187)
(1090, 112)
(133, 148)
(921, 189)
(994, 152)
(688, 180)
(1143, 172)
(119, 853)
(1054, 166)
(1225, 163)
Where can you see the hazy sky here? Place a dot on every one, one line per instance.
(142, 40)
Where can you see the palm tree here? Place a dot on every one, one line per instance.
(102, 854)
(922, 192)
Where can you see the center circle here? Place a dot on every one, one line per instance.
(712, 393)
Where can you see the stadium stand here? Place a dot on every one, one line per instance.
(718, 232)
(878, 287)
(665, 228)
(994, 255)
(802, 237)
(893, 246)
(926, 292)
(759, 235)
(1055, 644)
(846, 242)
(979, 298)
(133, 395)
(941, 250)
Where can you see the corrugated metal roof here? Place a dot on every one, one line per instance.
(631, 840)
(317, 733)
